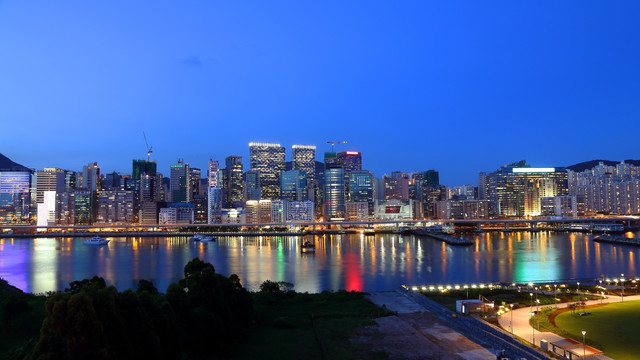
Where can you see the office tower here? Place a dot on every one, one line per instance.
(293, 185)
(47, 209)
(268, 159)
(299, 211)
(361, 188)
(432, 177)
(112, 181)
(215, 201)
(70, 180)
(357, 211)
(141, 167)
(213, 174)
(334, 204)
(233, 181)
(278, 211)
(91, 177)
(180, 191)
(83, 207)
(200, 209)
(483, 186)
(114, 207)
(49, 179)
(516, 189)
(303, 158)
(349, 161)
(396, 186)
(252, 185)
(15, 195)
(194, 182)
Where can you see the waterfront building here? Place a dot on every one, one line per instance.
(176, 214)
(215, 202)
(357, 210)
(91, 177)
(252, 185)
(334, 193)
(148, 213)
(516, 189)
(393, 209)
(460, 209)
(299, 211)
(258, 211)
(233, 181)
(213, 174)
(49, 179)
(293, 185)
(180, 191)
(47, 209)
(607, 188)
(83, 207)
(350, 161)
(278, 211)
(114, 207)
(361, 188)
(269, 160)
(559, 206)
(303, 158)
(233, 216)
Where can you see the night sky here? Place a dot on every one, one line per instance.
(460, 87)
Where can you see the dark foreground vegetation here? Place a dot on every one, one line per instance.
(203, 316)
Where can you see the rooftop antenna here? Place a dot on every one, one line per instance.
(149, 148)
(333, 143)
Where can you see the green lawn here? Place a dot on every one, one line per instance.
(612, 328)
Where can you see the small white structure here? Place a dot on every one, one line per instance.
(473, 306)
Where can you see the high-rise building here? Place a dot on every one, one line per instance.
(303, 158)
(213, 174)
(194, 182)
(49, 179)
(91, 177)
(334, 204)
(180, 191)
(252, 185)
(114, 207)
(361, 188)
(299, 211)
(269, 160)
(516, 189)
(396, 186)
(142, 167)
(216, 197)
(293, 185)
(15, 196)
(233, 181)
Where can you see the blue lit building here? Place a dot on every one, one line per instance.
(293, 185)
(15, 197)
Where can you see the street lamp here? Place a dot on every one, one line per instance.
(584, 344)
(601, 292)
(511, 321)
(555, 294)
(622, 283)
(531, 306)
(578, 287)
(533, 332)
(538, 312)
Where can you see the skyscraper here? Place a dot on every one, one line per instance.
(303, 158)
(233, 181)
(141, 167)
(361, 188)
(293, 185)
(213, 175)
(252, 185)
(180, 182)
(334, 204)
(269, 160)
(91, 176)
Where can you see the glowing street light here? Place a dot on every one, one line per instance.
(622, 283)
(578, 287)
(555, 294)
(533, 332)
(511, 321)
(584, 344)
(538, 312)
(531, 306)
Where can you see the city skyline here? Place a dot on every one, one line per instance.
(413, 87)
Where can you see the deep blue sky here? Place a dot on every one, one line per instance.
(460, 87)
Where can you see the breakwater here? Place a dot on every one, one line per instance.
(618, 240)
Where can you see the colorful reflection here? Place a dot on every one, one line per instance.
(350, 261)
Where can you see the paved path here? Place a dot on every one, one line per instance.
(523, 329)
(416, 333)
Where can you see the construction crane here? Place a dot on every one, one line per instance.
(149, 148)
(333, 143)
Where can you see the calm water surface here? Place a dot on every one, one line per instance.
(352, 262)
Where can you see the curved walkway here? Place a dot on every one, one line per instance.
(523, 329)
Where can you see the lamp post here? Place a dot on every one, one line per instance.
(601, 298)
(555, 294)
(533, 332)
(531, 306)
(538, 312)
(511, 321)
(622, 283)
(578, 287)
(584, 344)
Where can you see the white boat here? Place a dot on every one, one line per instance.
(203, 238)
(96, 240)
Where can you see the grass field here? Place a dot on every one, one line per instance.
(612, 328)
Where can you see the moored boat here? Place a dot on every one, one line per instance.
(96, 240)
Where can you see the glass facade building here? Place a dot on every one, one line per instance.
(361, 188)
(303, 158)
(233, 181)
(269, 160)
(334, 203)
(293, 185)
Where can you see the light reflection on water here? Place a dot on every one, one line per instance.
(352, 262)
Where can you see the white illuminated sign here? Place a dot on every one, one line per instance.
(533, 170)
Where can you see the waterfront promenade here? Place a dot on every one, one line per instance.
(523, 329)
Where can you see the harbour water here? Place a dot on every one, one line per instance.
(349, 261)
